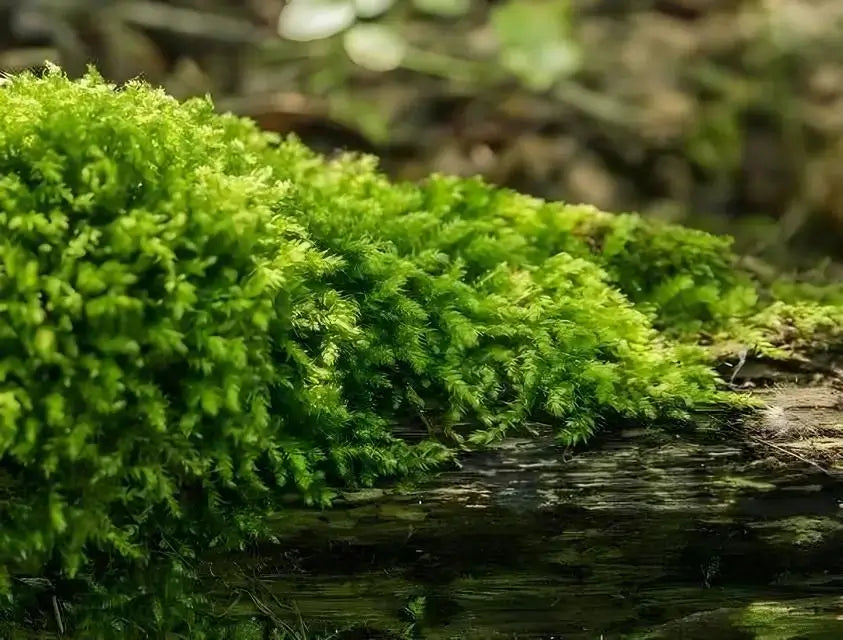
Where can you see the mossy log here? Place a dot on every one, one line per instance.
(198, 320)
(647, 534)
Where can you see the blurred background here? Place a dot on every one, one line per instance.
(725, 115)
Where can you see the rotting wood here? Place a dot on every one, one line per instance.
(642, 535)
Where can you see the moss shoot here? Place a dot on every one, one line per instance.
(198, 319)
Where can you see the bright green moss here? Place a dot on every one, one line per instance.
(167, 340)
(465, 320)
(817, 618)
(196, 320)
(783, 330)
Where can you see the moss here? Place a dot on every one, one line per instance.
(783, 329)
(198, 319)
(740, 483)
(801, 530)
(815, 618)
(819, 620)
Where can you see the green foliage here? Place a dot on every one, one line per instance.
(536, 40)
(473, 310)
(197, 319)
(166, 336)
(783, 330)
(414, 612)
(685, 279)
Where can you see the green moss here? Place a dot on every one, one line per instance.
(738, 483)
(815, 618)
(790, 621)
(470, 316)
(801, 530)
(782, 330)
(197, 319)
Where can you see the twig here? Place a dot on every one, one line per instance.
(794, 454)
(230, 607)
(598, 106)
(57, 614)
(741, 362)
(188, 22)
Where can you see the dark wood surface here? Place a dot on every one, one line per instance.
(729, 532)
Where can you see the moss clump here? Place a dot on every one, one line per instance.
(158, 331)
(688, 284)
(816, 618)
(196, 320)
(801, 530)
(810, 618)
(783, 330)
(468, 316)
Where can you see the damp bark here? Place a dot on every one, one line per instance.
(648, 534)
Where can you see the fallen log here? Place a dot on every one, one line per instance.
(648, 534)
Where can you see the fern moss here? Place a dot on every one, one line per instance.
(197, 319)
(162, 344)
(465, 319)
(783, 330)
